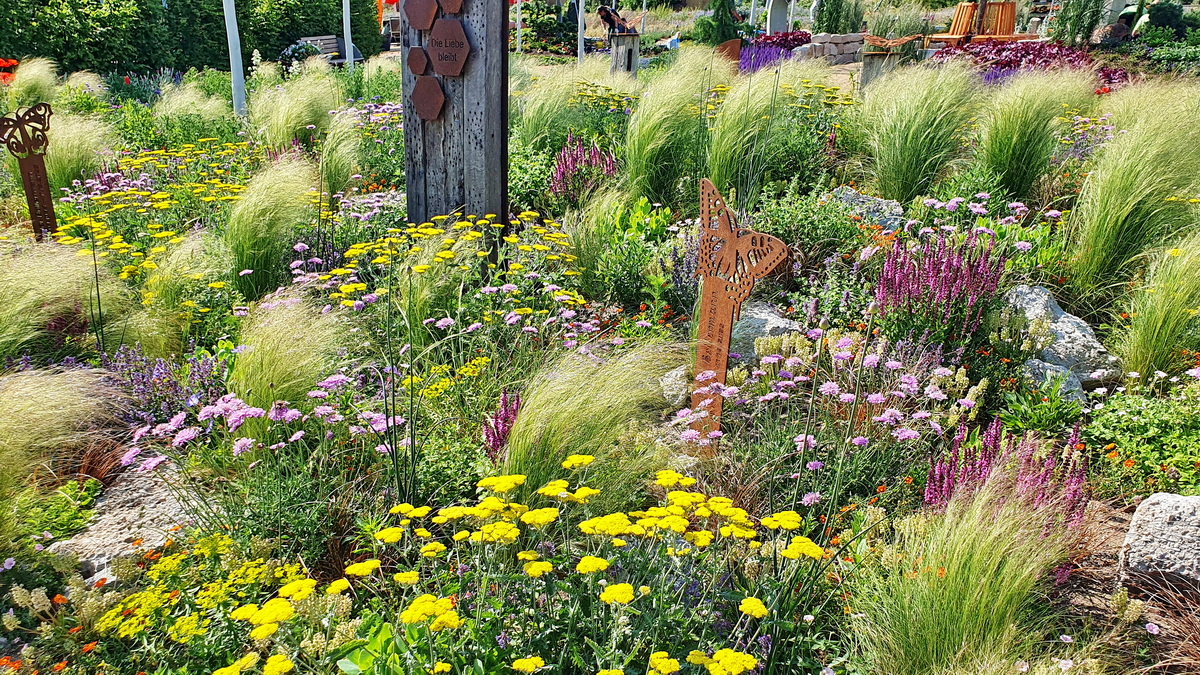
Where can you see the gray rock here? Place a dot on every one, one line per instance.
(1164, 538)
(801, 52)
(758, 319)
(886, 212)
(1075, 346)
(1042, 372)
(676, 386)
(821, 37)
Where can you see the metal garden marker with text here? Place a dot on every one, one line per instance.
(23, 133)
(731, 260)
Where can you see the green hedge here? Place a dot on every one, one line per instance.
(143, 35)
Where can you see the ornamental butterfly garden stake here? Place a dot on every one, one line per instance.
(23, 133)
(731, 260)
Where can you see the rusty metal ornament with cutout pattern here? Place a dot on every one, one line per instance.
(731, 260)
(23, 133)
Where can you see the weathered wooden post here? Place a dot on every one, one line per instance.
(23, 134)
(626, 52)
(456, 112)
(731, 259)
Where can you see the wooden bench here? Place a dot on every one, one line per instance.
(331, 48)
(960, 25)
(1000, 23)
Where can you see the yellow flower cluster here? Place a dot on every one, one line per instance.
(662, 664)
(244, 663)
(802, 546)
(537, 568)
(501, 484)
(575, 461)
(265, 619)
(753, 607)
(425, 607)
(786, 520)
(590, 563)
(621, 594)
(528, 665)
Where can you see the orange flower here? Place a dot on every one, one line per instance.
(59, 666)
(881, 489)
(1128, 463)
(908, 480)
(1110, 446)
(76, 629)
(100, 583)
(941, 572)
(1080, 446)
(1113, 455)
(60, 599)
(88, 647)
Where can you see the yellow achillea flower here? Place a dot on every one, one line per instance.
(440, 667)
(734, 662)
(238, 666)
(264, 631)
(528, 555)
(700, 538)
(590, 563)
(611, 671)
(754, 607)
(617, 593)
(407, 578)
(503, 533)
(698, 658)
(337, 586)
(501, 484)
(244, 612)
(429, 606)
(787, 520)
(577, 460)
(432, 549)
(390, 535)
(669, 478)
(802, 546)
(273, 611)
(446, 620)
(660, 664)
(528, 665)
(537, 569)
(299, 589)
(540, 517)
(362, 569)
(277, 664)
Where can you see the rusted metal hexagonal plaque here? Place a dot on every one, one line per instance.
(448, 47)
(420, 13)
(427, 98)
(418, 61)
(451, 6)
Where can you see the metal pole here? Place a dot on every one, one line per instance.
(753, 7)
(791, 12)
(643, 28)
(518, 26)
(346, 32)
(235, 58)
(582, 26)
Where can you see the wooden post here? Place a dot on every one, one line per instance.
(626, 51)
(23, 134)
(456, 112)
(349, 55)
(235, 58)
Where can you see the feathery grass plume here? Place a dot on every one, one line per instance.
(1131, 201)
(545, 107)
(162, 327)
(34, 81)
(261, 224)
(51, 418)
(339, 153)
(189, 99)
(76, 144)
(745, 121)
(290, 344)
(1021, 125)
(666, 133)
(582, 405)
(920, 612)
(1149, 99)
(1162, 310)
(296, 110)
(88, 81)
(50, 301)
(913, 120)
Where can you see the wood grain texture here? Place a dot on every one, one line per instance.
(458, 163)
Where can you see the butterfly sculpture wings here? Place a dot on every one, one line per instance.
(737, 257)
(24, 132)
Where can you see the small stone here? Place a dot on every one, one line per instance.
(1164, 538)
(758, 319)
(1042, 373)
(676, 386)
(1075, 346)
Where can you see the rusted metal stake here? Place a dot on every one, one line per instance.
(23, 133)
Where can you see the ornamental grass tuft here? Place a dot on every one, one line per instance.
(1023, 123)
(577, 405)
(339, 153)
(287, 344)
(189, 99)
(297, 110)
(913, 119)
(1162, 310)
(34, 81)
(261, 224)
(77, 146)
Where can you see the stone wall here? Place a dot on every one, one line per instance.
(836, 49)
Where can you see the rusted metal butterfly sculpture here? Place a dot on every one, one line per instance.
(23, 133)
(731, 260)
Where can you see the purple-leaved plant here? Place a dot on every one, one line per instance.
(497, 427)
(580, 167)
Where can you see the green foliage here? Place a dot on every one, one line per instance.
(63, 512)
(262, 225)
(986, 551)
(719, 27)
(544, 29)
(1162, 311)
(1022, 126)
(1045, 410)
(577, 406)
(529, 173)
(1076, 20)
(814, 227)
(1167, 14)
(1157, 36)
(1155, 443)
(839, 16)
(913, 120)
(615, 243)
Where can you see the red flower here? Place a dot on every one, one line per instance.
(126, 79)
(6, 78)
